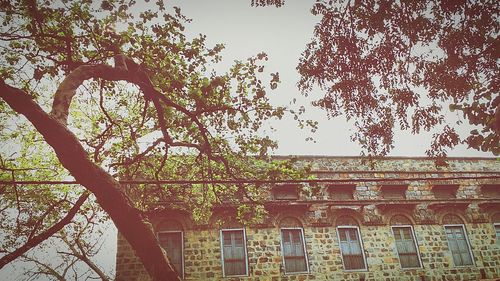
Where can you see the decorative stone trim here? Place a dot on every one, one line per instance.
(422, 214)
(475, 214)
(371, 215)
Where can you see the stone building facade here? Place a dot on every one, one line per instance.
(401, 219)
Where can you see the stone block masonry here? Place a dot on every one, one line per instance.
(455, 238)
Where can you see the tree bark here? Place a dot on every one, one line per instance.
(109, 193)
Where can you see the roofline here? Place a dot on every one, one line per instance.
(493, 158)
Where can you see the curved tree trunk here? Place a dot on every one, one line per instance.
(107, 190)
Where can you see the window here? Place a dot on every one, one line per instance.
(394, 191)
(406, 245)
(171, 241)
(286, 192)
(293, 248)
(446, 191)
(234, 252)
(351, 246)
(170, 237)
(457, 241)
(497, 233)
(342, 192)
(496, 225)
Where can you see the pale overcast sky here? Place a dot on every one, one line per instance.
(282, 33)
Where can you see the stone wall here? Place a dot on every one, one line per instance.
(318, 213)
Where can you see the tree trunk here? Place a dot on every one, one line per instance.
(108, 191)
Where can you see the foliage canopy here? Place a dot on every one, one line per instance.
(399, 64)
(130, 97)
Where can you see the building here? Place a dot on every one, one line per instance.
(405, 219)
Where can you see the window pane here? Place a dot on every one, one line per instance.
(350, 248)
(407, 233)
(353, 262)
(406, 248)
(342, 235)
(234, 252)
(355, 247)
(353, 235)
(172, 243)
(458, 245)
(344, 247)
(286, 236)
(293, 250)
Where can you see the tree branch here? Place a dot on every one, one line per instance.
(109, 193)
(35, 240)
(82, 256)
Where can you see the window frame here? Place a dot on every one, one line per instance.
(360, 243)
(182, 246)
(222, 251)
(497, 237)
(469, 248)
(306, 258)
(414, 238)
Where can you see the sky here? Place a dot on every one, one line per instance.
(282, 33)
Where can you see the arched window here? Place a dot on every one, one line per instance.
(458, 242)
(351, 246)
(406, 245)
(171, 238)
(293, 246)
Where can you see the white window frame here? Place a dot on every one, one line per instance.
(497, 238)
(414, 242)
(222, 251)
(466, 240)
(303, 245)
(361, 244)
(182, 245)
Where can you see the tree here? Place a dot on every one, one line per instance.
(69, 236)
(391, 64)
(134, 98)
(399, 64)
